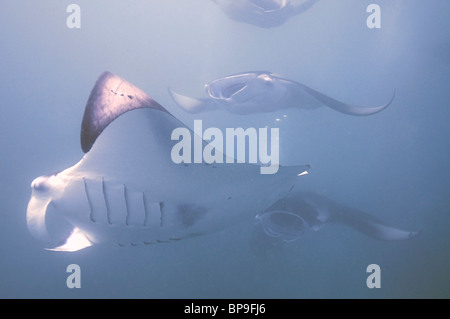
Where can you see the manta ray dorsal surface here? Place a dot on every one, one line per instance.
(111, 97)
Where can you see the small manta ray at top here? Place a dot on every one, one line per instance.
(263, 13)
(262, 91)
(127, 190)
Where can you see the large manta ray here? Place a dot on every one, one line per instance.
(127, 190)
(297, 212)
(263, 91)
(263, 13)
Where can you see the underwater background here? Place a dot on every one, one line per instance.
(393, 165)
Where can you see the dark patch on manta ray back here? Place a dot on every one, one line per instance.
(111, 97)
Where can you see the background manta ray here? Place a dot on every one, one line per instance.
(301, 212)
(263, 13)
(263, 91)
(298, 212)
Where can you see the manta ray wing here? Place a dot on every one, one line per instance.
(191, 104)
(340, 106)
(110, 97)
(370, 225)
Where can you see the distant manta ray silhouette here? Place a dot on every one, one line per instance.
(263, 13)
(297, 212)
(263, 91)
(127, 190)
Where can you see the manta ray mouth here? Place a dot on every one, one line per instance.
(47, 225)
(282, 224)
(225, 92)
(269, 5)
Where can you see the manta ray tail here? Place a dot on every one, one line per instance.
(192, 105)
(346, 108)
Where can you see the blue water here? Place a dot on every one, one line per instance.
(394, 164)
